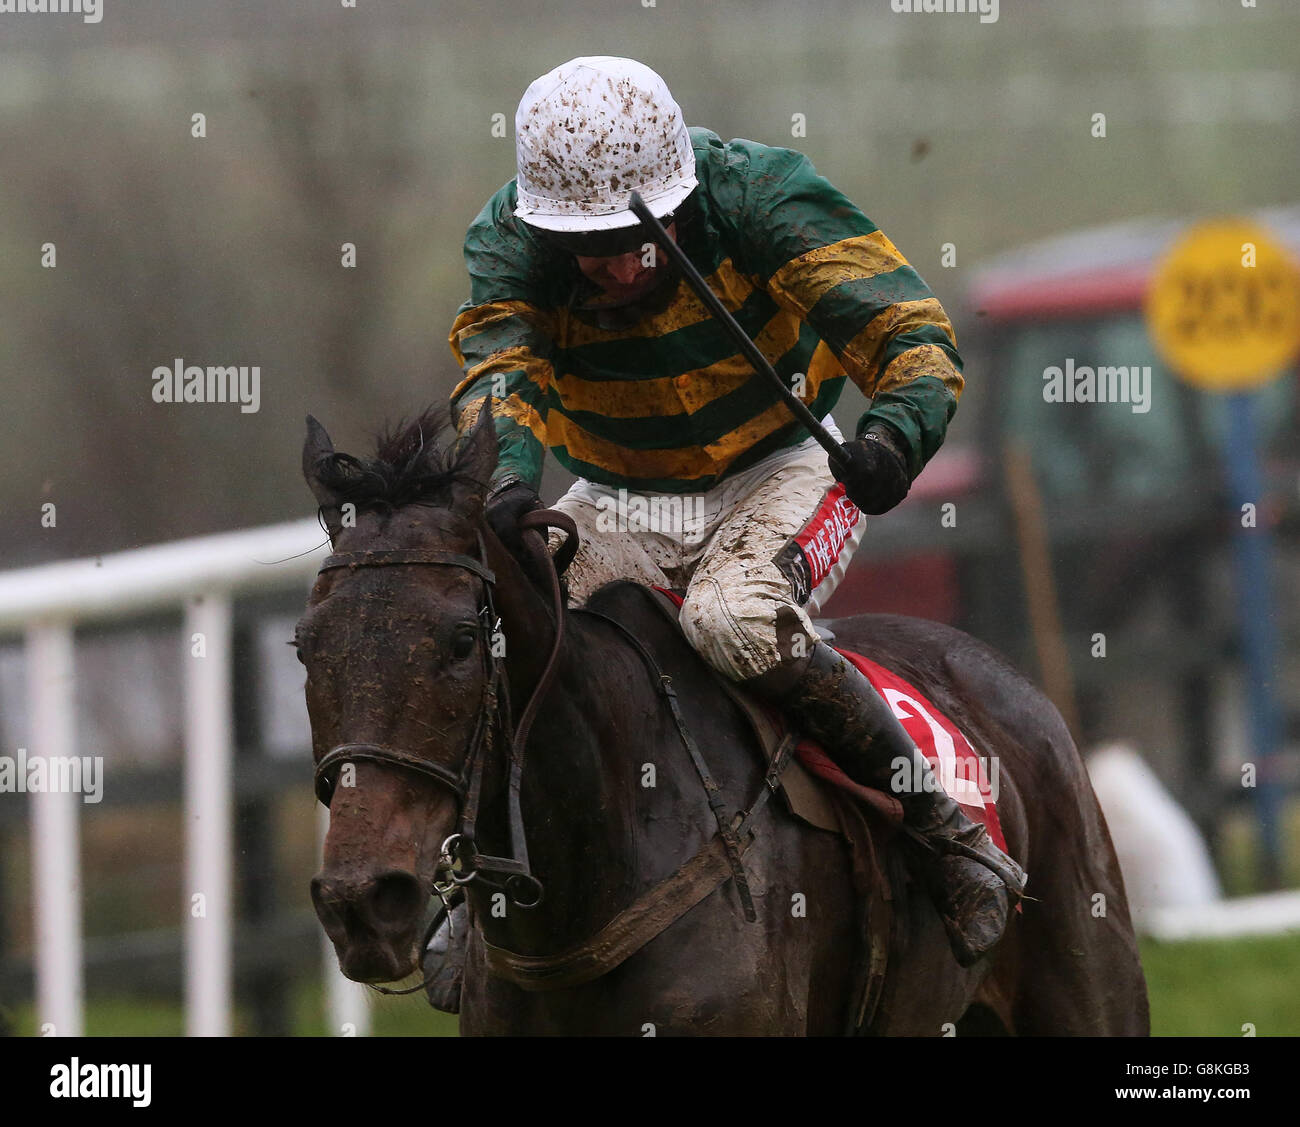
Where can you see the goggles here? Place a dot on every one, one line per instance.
(602, 244)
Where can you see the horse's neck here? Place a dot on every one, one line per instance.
(579, 774)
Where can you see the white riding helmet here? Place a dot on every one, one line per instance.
(591, 132)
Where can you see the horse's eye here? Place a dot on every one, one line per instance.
(462, 644)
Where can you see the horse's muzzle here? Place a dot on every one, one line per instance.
(374, 921)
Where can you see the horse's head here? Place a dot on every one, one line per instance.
(395, 641)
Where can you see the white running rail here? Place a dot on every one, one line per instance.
(46, 604)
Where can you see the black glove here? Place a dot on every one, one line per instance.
(876, 478)
(506, 505)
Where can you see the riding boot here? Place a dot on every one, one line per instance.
(443, 960)
(970, 878)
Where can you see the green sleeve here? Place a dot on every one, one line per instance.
(819, 255)
(502, 339)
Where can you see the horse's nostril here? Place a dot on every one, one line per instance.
(324, 896)
(395, 897)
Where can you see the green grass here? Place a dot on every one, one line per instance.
(1209, 988)
(129, 1017)
(1214, 987)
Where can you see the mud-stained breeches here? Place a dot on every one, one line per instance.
(756, 556)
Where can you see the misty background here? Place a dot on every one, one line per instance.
(328, 125)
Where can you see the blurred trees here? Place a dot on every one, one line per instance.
(373, 126)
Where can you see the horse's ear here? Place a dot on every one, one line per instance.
(478, 453)
(315, 449)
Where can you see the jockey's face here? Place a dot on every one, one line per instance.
(625, 277)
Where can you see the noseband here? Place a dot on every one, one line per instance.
(511, 874)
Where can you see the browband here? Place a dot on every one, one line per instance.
(384, 557)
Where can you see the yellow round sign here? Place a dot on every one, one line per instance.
(1224, 306)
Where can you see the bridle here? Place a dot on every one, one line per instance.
(460, 858)
(455, 781)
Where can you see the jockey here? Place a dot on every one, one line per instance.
(588, 343)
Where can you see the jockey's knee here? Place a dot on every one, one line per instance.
(744, 633)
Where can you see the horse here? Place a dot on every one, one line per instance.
(608, 893)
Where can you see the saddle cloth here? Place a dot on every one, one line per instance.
(956, 765)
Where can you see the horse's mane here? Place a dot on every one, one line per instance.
(414, 463)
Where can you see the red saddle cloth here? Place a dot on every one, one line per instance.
(957, 766)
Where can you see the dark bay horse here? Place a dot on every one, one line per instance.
(403, 664)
